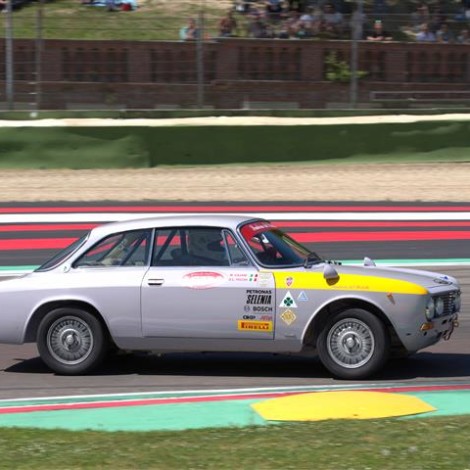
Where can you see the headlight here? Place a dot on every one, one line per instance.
(430, 309)
(439, 304)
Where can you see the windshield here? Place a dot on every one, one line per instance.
(272, 247)
(62, 255)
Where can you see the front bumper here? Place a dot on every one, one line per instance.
(431, 332)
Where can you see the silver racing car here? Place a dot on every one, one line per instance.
(220, 283)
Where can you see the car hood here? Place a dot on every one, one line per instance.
(425, 279)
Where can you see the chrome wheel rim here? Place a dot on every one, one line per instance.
(350, 343)
(70, 340)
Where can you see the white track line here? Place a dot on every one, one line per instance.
(206, 392)
(116, 216)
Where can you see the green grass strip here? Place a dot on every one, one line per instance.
(137, 147)
(420, 444)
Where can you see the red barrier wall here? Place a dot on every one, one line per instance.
(236, 72)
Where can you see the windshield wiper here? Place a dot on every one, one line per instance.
(312, 259)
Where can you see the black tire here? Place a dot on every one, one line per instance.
(71, 341)
(354, 344)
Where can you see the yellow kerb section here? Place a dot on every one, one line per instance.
(296, 280)
(320, 406)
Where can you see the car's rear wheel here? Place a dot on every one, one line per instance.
(71, 341)
(354, 344)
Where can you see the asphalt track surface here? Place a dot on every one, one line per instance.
(22, 373)
(31, 233)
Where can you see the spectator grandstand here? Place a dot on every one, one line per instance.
(239, 53)
(403, 20)
(325, 19)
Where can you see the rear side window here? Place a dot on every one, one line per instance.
(120, 249)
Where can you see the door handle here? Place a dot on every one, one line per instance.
(155, 282)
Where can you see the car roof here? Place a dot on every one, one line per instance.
(231, 221)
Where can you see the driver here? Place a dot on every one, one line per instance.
(207, 245)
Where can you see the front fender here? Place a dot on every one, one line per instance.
(340, 303)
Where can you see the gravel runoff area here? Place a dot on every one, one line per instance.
(260, 182)
(276, 182)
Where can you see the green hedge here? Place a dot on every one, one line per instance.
(134, 147)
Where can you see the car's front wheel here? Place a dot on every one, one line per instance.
(354, 344)
(71, 341)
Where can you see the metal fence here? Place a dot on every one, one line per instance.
(115, 54)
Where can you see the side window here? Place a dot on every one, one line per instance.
(191, 246)
(237, 257)
(120, 249)
(167, 247)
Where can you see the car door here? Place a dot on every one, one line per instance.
(202, 285)
(109, 276)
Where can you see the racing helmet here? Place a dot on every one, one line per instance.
(206, 244)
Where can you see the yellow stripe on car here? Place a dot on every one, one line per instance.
(347, 282)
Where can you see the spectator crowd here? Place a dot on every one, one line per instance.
(379, 20)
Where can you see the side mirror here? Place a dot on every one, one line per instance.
(368, 262)
(330, 273)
